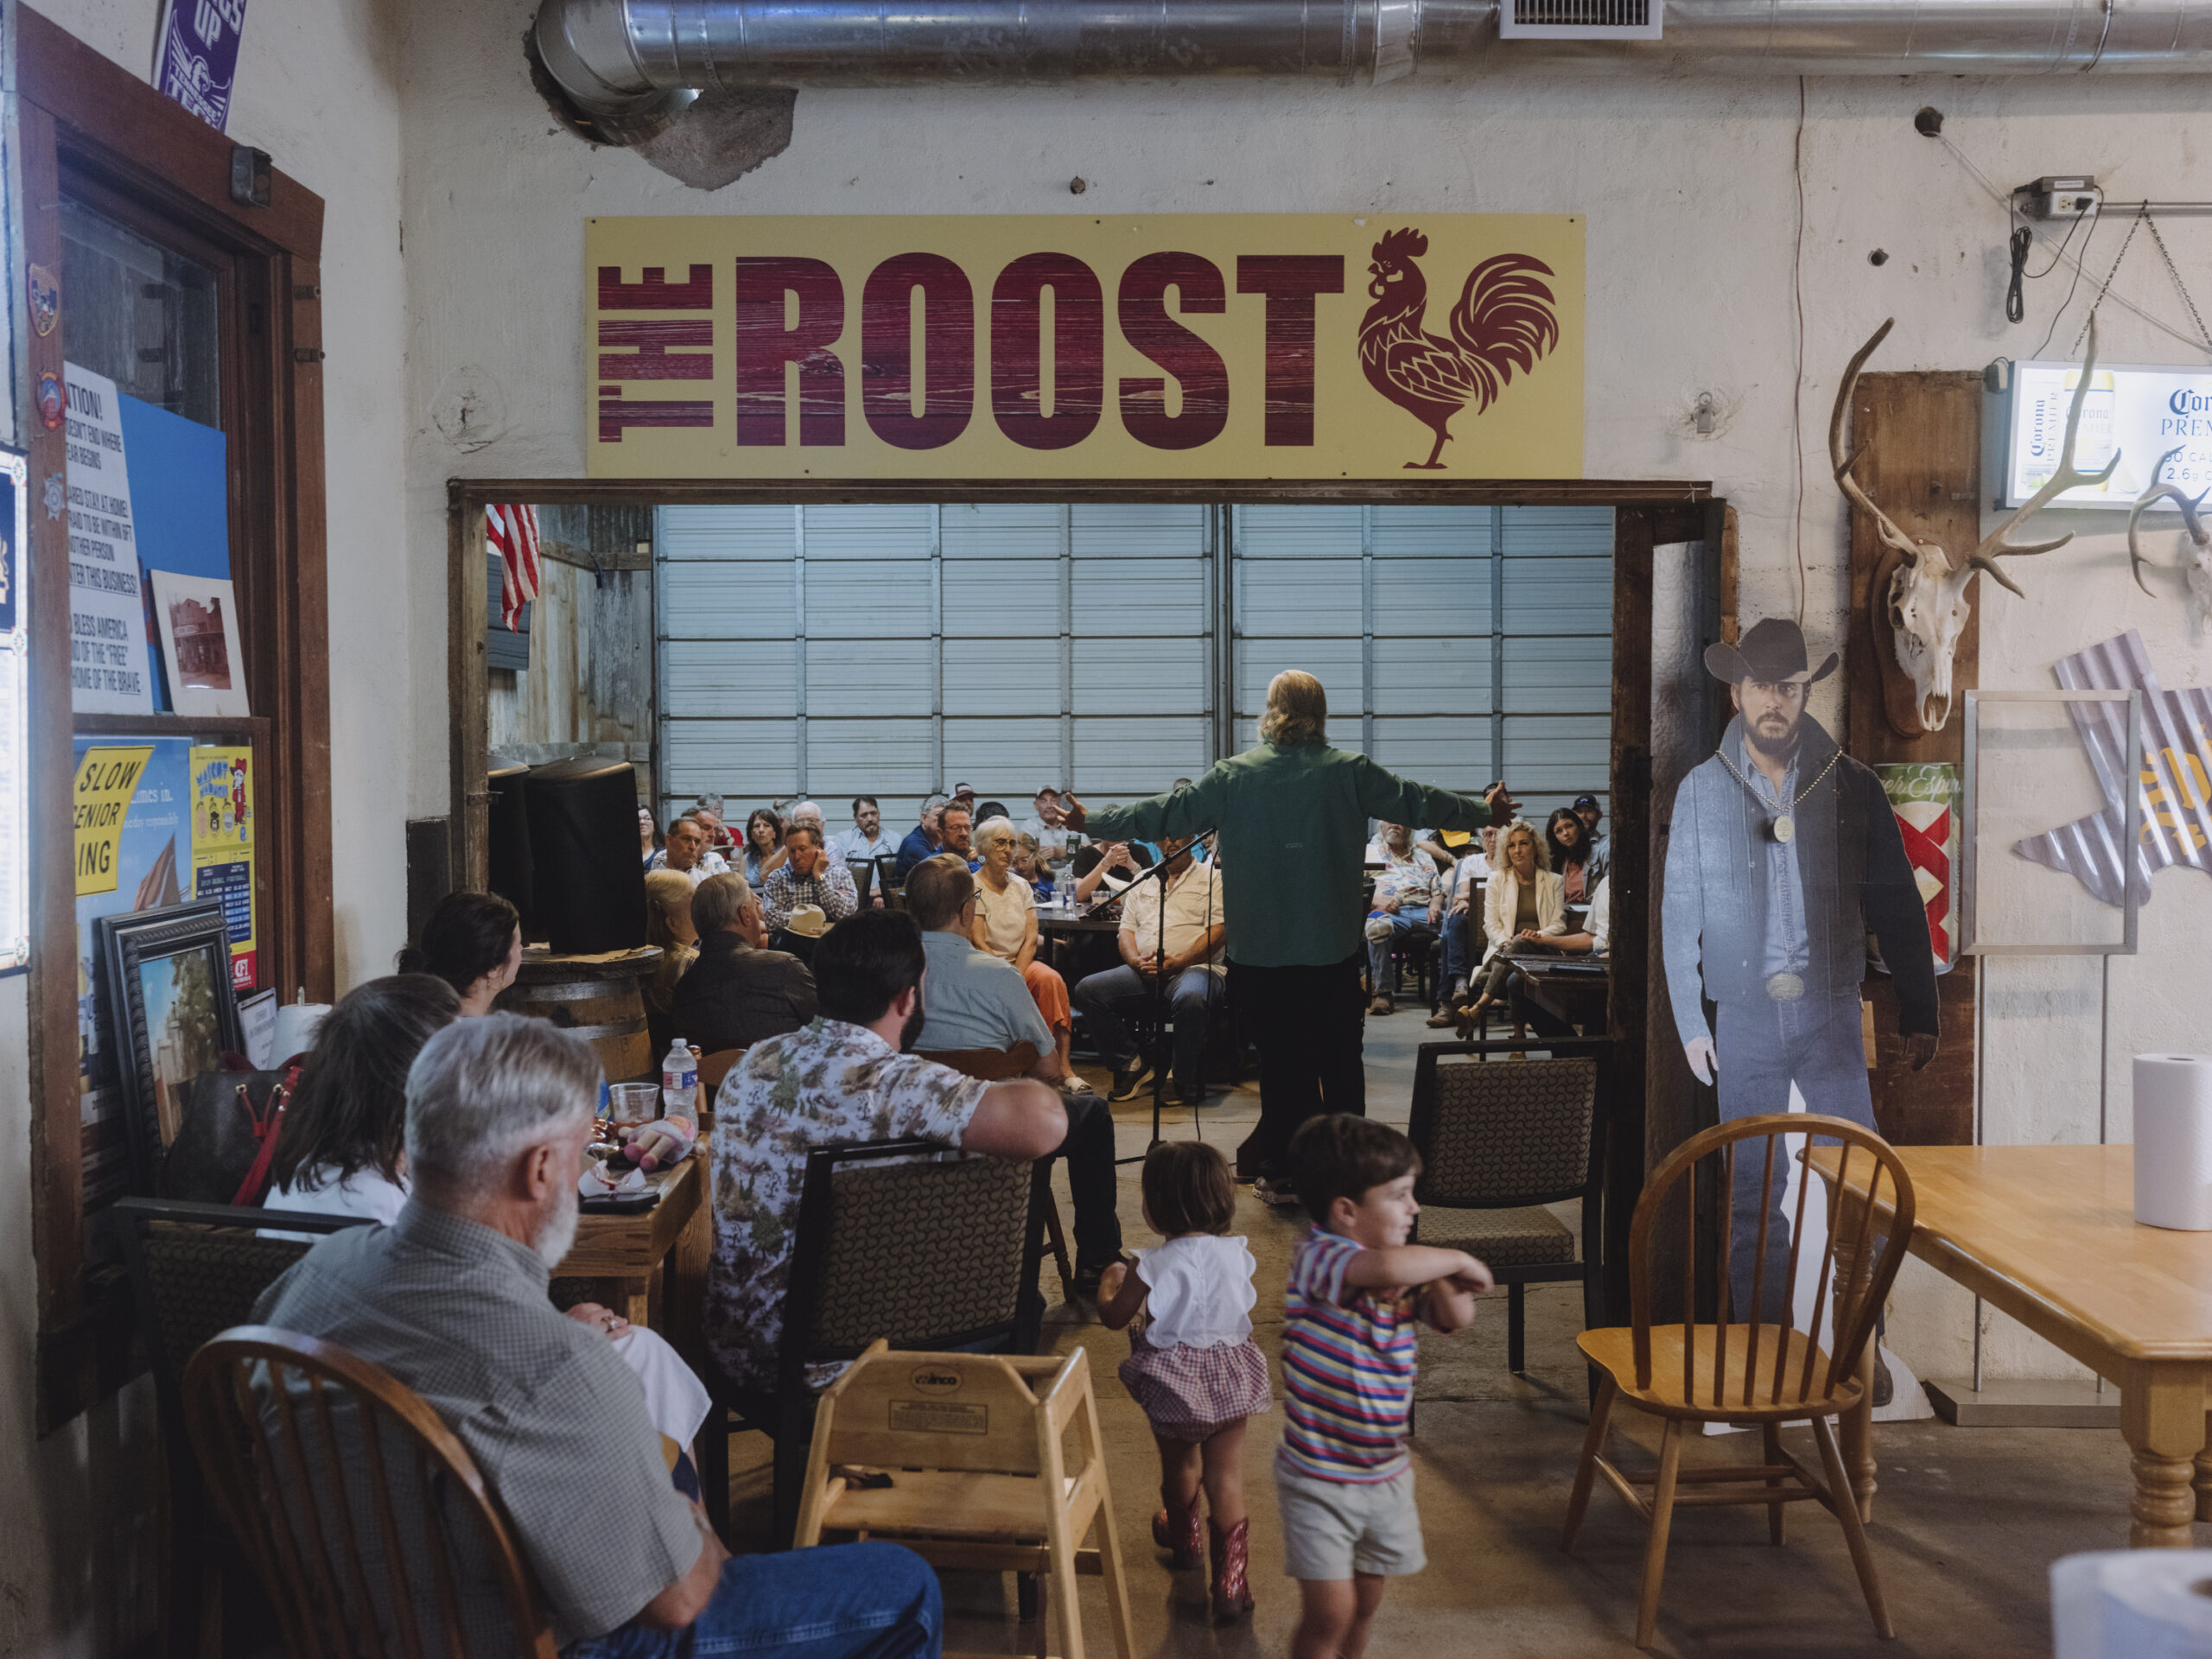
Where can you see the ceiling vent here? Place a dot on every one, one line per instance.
(1581, 19)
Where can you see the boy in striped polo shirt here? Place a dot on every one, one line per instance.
(1343, 1479)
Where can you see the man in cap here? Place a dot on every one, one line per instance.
(1783, 856)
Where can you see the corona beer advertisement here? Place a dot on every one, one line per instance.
(1219, 346)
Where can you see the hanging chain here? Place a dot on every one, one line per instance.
(2174, 271)
(2141, 214)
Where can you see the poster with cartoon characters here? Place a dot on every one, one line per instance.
(222, 850)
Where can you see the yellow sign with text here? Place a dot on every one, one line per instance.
(1226, 346)
(107, 779)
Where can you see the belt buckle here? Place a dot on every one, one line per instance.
(1785, 987)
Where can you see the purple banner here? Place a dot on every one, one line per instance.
(198, 59)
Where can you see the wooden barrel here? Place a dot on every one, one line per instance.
(599, 999)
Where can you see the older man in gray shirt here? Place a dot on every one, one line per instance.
(451, 1299)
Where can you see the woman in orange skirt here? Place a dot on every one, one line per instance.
(1006, 926)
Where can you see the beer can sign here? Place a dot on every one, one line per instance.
(1924, 794)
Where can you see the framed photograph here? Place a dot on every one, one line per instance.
(199, 621)
(166, 976)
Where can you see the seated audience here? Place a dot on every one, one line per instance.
(687, 852)
(1047, 825)
(451, 1299)
(738, 992)
(808, 812)
(648, 836)
(808, 876)
(989, 809)
(924, 840)
(1601, 847)
(1029, 864)
(1462, 921)
(865, 841)
(709, 810)
(965, 794)
(1095, 865)
(955, 829)
(764, 846)
(1408, 896)
(973, 1000)
(1182, 916)
(473, 941)
(1005, 924)
(1572, 857)
(845, 1077)
(1524, 902)
(1551, 1012)
(668, 927)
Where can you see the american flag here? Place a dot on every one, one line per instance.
(511, 533)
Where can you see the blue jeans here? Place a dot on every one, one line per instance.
(1383, 930)
(840, 1601)
(1461, 948)
(1105, 999)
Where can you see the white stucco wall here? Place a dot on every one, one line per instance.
(318, 88)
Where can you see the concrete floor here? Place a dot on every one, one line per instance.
(1966, 1520)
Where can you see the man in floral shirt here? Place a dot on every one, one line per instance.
(1408, 894)
(843, 1078)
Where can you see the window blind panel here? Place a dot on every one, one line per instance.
(890, 679)
(1148, 598)
(1451, 752)
(1129, 760)
(1001, 676)
(872, 599)
(1027, 530)
(1441, 598)
(1550, 761)
(1561, 675)
(722, 599)
(1140, 676)
(992, 599)
(1297, 598)
(1431, 532)
(1139, 531)
(728, 678)
(1005, 758)
(872, 530)
(724, 533)
(1549, 532)
(750, 760)
(1297, 532)
(844, 757)
(1558, 596)
(1427, 677)
(1335, 663)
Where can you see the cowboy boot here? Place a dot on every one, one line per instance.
(1177, 1531)
(1231, 1590)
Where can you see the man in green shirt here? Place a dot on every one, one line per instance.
(1290, 824)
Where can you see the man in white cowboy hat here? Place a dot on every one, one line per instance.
(1782, 856)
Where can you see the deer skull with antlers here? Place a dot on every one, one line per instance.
(1925, 603)
(2198, 570)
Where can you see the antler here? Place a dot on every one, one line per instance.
(2158, 491)
(1883, 527)
(1994, 546)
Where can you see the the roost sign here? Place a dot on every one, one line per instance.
(1228, 347)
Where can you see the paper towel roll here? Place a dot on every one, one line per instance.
(2133, 1604)
(2173, 1140)
(296, 1027)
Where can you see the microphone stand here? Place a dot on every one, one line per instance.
(1158, 872)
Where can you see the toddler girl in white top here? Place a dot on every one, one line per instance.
(1193, 1364)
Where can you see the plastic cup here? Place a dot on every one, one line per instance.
(630, 1105)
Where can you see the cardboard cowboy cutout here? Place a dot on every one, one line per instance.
(1783, 856)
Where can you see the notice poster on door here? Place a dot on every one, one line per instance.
(222, 850)
(108, 670)
(1219, 346)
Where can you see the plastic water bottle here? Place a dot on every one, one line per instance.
(679, 1080)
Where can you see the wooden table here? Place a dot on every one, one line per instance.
(664, 1249)
(1074, 921)
(2048, 1235)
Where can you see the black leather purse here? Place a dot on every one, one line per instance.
(228, 1137)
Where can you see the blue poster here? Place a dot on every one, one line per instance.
(179, 472)
(197, 60)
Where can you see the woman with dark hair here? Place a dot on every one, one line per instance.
(473, 941)
(764, 846)
(1567, 840)
(649, 841)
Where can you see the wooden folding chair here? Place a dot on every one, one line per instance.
(351, 1498)
(962, 1458)
(995, 1065)
(1753, 1371)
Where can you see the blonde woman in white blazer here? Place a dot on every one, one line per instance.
(1523, 897)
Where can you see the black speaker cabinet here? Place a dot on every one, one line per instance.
(509, 838)
(588, 881)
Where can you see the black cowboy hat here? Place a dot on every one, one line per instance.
(1772, 650)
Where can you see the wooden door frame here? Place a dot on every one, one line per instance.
(81, 116)
(1646, 514)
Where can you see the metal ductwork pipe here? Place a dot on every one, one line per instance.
(632, 65)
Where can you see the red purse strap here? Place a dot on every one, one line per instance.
(266, 1123)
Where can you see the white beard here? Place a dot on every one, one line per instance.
(558, 1233)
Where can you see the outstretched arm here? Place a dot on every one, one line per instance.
(1413, 1264)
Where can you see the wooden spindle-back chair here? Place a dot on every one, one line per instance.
(359, 1510)
(1741, 1368)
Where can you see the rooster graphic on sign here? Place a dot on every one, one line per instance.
(1503, 321)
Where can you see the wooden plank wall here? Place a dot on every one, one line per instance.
(1922, 467)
